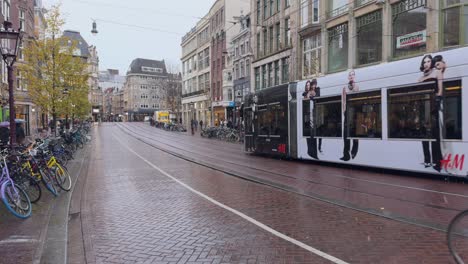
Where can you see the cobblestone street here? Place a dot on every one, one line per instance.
(143, 205)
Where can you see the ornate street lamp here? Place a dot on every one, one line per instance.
(9, 43)
(94, 30)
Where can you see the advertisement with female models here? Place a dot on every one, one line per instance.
(405, 115)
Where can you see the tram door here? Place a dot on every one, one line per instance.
(292, 125)
(249, 142)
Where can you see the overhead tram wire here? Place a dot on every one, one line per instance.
(138, 9)
(141, 27)
(202, 18)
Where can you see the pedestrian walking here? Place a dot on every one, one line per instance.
(20, 135)
(201, 125)
(192, 126)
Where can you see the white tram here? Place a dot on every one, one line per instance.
(407, 115)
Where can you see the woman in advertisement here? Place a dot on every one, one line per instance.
(311, 92)
(433, 69)
(352, 87)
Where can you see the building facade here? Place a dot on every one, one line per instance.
(90, 56)
(361, 33)
(274, 42)
(196, 74)
(223, 29)
(207, 92)
(242, 59)
(146, 88)
(96, 94)
(111, 83)
(21, 15)
(304, 39)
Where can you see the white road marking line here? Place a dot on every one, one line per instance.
(384, 183)
(18, 240)
(253, 221)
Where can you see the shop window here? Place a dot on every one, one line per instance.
(338, 48)
(409, 27)
(455, 20)
(369, 38)
(364, 115)
(328, 117)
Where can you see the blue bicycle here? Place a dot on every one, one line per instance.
(15, 199)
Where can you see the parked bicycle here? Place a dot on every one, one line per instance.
(14, 197)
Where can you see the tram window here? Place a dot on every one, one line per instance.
(364, 115)
(453, 110)
(263, 120)
(409, 112)
(306, 118)
(328, 117)
(278, 122)
(248, 120)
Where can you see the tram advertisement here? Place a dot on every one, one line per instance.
(412, 124)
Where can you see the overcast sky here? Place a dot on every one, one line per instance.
(118, 44)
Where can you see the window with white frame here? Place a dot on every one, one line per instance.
(304, 13)
(315, 11)
(19, 80)
(6, 9)
(312, 51)
(20, 51)
(22, 20)
(4, 72)
(247, 68)
(242, 69)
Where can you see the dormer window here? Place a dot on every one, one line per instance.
(151, 69)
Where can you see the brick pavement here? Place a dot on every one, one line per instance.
(28, 241)
(379, 193)
(136, 215)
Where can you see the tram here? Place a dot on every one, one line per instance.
(408, 115)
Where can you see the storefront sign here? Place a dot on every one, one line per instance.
(413, 39)
(223, 104)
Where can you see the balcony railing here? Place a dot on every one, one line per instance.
(338, 11)
(358, 3)
(193, 93)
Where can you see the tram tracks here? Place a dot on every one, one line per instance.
(141, 134)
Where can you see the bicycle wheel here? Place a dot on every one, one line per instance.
(457, 237)
(62, 177)
(48, 182)
(31, 186)
(16, 200)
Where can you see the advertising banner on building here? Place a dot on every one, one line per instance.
(411, 39)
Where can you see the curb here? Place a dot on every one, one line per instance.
(56, 239)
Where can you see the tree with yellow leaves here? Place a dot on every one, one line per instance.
(57, 80)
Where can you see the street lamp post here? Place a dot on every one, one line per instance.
(9, 43)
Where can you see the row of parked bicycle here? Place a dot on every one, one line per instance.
(223, 133)
(25, 168)
(168, 126)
